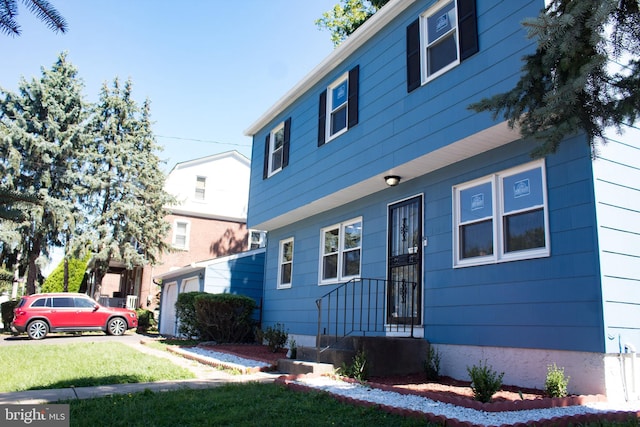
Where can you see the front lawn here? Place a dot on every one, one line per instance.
(29, 367)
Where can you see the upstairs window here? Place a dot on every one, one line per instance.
(440, 39)
(286, 263)
(276, 149)
(181, 235)
(338, 106)
(341, 251)
(502, 217)
(200, 187)
(257, 239)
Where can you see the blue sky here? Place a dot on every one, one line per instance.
(209, 67)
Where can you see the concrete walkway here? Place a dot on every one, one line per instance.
(206, 377)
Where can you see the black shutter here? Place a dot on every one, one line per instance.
(352, 101)
(413, 56)
(285, 144)
(322, 118)
(468, 28)
(265, 168)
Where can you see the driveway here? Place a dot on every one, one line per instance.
(129, 337)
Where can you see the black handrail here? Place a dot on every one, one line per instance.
(359, 306)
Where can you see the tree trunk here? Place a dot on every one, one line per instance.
(32, 268)
(65, 280)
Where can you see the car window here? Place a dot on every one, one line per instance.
(22, 302)
(83, 302)
(63, 302)
(41, 302)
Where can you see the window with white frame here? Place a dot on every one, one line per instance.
(257, 239)
(502, 217)
(286, 263)
(276, 148)
(200, 187)
(181, 235)
(440, 40)
(338, 108)
(341, 251)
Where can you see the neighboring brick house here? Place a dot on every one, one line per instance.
(209, 221)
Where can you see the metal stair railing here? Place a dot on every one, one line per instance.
(358, 307)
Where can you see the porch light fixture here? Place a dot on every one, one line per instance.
(392, 180)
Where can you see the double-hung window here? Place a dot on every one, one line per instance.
(286, 263)
(181, 235)
(502, 217)
(276, 148)
(201, 182)
(341, 251)
(338, 106)
(440, 39)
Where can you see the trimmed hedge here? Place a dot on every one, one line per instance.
(186, 314)
(55, 281)
(225, 318)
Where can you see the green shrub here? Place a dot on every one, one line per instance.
(357, 369)
(6, 280)
(146, 320)
(7, 313)
(484, 381)
(555, 384)
(225, 318)
(432, 364)
(55, 281)
(186, 315)
(276, 337)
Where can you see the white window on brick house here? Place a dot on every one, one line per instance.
(181, 235)
(201, 182)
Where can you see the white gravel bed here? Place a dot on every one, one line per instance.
(422, 404)
(217, 356)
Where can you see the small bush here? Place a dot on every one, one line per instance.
(432, 364)
(146, 320)
(186, 315)
(225, 318)
(276, 337)
(556, 384)
(484, 381)
(7, 313)
(358, 369)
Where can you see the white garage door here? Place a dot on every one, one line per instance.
(168, 310)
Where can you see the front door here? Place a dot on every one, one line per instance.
(404, 264)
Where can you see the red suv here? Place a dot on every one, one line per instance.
(40, 314)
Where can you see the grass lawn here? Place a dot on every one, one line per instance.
(55, 366)
(253, 404)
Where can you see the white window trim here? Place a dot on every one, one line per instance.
(281, 262)
(340, 226)
(497, 192)
(204, 189)
(272, 144)
(330, 108)
(423, 41)
(187, 232)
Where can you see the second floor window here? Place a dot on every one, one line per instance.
(276, 149)
(338, 107)
(181, 235)
(200, 187)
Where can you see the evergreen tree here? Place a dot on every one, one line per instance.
(127, 186)
(43, 128)
(41, 8)
(347, 16)
(583, 76)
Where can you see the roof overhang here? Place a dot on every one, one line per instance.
(480, 142)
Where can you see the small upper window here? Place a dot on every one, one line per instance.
(200, 187)
(440, 38)
(257, 239)
(502, 217)
(181, 235)
(286, 263)
(276, 149)
(338, 109)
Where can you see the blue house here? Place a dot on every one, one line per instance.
(394, 210)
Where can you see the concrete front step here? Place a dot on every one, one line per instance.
(299, 367)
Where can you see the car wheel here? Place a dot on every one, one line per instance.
(37, 329)
(116, 326)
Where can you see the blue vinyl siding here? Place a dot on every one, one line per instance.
(551, 302)
(394, 126)
(239, 275)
